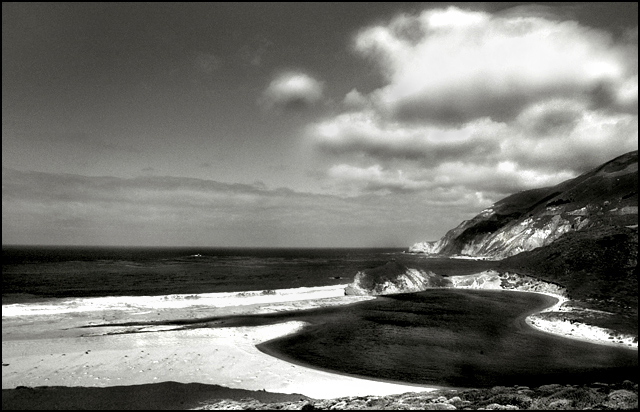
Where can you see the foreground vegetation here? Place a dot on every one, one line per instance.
(598, 396)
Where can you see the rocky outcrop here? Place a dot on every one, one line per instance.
(397, 278)
(393, 277)
(605, 196)
(492, 279)
(429, 248)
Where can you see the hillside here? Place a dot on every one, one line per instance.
(598, 267)
(581, 235)
(606, 196)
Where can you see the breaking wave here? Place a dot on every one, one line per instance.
(142, 303)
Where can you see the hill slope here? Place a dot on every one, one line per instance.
(606, 196)
(581, 235)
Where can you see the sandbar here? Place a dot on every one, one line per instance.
(577, 330)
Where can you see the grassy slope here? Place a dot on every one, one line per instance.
(597, 266)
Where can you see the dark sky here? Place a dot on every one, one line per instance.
(300, 124)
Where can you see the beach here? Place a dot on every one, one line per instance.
(558, 325)
(49, 348)
(51, 345)
(551, 319)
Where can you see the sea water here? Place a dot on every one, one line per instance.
(47, 273)
(442, 337)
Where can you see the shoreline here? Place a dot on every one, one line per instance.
(408, 385)
(490, 280)
(576, 330)
(61, 354)
(174, 301)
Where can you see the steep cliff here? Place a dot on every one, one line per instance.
(606, 196)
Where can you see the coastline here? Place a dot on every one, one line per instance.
(542, 320)
(42, 347)
(54, 351)
(576, 330)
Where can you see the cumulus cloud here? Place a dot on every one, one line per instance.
(453, 65)
(499, 179)
(551, 117)
(495, 181)
(366, 132)
(626, 95)
(476, 104)
(591, 138)
(292, 91)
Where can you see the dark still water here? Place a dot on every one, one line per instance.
(31, 273)
(458, 338)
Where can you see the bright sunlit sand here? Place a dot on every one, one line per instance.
(42, 344)
(577, 330)
(45, 348)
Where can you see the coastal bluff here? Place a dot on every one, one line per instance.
(604, 197)
(393, 277)
(396, 277)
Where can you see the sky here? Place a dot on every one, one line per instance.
(300, 124)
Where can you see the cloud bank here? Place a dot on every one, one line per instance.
(170, 211)
(480, 103)
(452, 66)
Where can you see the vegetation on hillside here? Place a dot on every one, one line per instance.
(605, 196)
(598, 267)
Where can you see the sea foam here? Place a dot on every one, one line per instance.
(139, 303)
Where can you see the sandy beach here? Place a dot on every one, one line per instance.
(46, 345)
(575, 330)
(47, 348)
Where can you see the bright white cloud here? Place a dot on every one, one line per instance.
(462, 178)
(503, 178)
(583, 141)
(482, 105)
(464, 65)
(627, 93)
(366, 132)
(292, 90)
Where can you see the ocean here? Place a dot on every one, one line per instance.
(458, 338)
(41, 273)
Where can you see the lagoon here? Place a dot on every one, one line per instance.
(445, 337)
